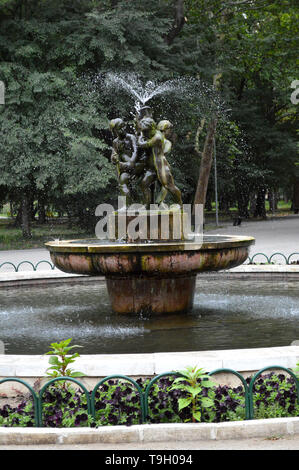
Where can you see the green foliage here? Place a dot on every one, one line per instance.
(54, 137)
(192, 382)
(60, 360)
(18, 417)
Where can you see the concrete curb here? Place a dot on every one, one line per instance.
(150, 364)
(146, 433)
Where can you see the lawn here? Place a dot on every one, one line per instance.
(11, 237)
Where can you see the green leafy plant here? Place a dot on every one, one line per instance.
(194, 382)
(61, 359)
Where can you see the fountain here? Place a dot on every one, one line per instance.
(149, 255)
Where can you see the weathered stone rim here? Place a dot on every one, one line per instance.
(78, 246)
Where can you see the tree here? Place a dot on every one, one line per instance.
(54, 136)
(253, 46)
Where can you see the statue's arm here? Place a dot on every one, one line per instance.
(143, 143)
(114, 155)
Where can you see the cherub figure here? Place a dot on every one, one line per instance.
(123, 156)
(153, 138)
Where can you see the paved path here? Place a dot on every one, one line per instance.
(274, 443)
(16, 256)
(276, 235)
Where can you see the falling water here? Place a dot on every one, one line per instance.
(187, 88)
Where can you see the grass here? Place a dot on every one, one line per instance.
(281, 206)
(283, 209)
(11, 237)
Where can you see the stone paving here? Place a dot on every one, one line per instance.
(273, 235)
(270, 443)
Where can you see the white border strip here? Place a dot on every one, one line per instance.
(103, 365)
(146, 433)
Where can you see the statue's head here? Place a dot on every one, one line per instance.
(117, 126)
(147, 124)
(144, 111)
(164, 125)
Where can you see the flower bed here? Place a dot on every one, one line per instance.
(118, 401)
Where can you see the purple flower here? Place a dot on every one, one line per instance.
(81, 418)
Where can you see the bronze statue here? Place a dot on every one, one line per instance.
(154, 139)
(141, 161)
(123, 156)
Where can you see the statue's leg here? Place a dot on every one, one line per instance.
(162, 195)
(176, 193)
(146, 187)
(124, 180)
(173, 189)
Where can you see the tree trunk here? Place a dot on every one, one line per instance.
(276, 199)
(18, 218)
(179, 21)
(243, 201)
(260, 210)
(295, 202)
(41, 212)
(26, 217)
(224, 204)
(252, 203)
(272, 198)
(205, 165)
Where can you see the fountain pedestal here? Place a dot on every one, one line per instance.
(137, 294)
(149, 225)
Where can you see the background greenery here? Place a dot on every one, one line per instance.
(54, 136)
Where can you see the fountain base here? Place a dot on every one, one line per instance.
(151, 295)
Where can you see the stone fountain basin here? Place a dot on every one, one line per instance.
(103, 257)
(151, 277)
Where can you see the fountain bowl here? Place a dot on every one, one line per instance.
(150, 277)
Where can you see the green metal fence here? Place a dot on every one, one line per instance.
(144, 394)
(16, 267)
(270, 259)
